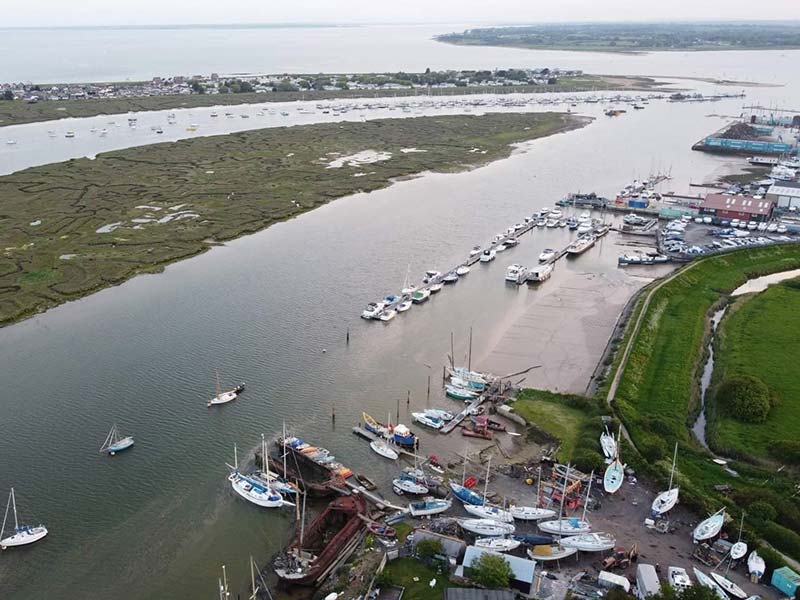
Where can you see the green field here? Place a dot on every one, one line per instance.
(402, 571)
(550, 413)
(17, 112)
(211, 189)
(760, 336)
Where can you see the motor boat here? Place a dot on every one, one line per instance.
(429, 506)
(451, 277)
(408, 485)
(488, 255)
(531, 513)
(460, 393)
(551, 223)
(403, 306)
(428, 420)
(497, 544)
(387, 315)
(486, 527)
(590, 542)
(487, 511)
(516, 274)
(678, 578)
(373, 310)
(547, 254)
(540, 273)
(420, 296)
(710, 527)
(476, 250)
(439, 414)
(511, 242)
(462, 270)
(500, 248)
(435, 288)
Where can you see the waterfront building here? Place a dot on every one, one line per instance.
(785, 194)
(747, 208)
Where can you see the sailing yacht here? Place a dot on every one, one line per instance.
(253, 490)
(669, 498)
(115, 443)
(225, 397)
(23, 534)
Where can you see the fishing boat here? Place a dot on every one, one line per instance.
(497, 544)
(23, 534)
(727, 585)
(550, 552)
(225, 397)
(466, 495)
(439, 414)
(428, 420)
(115, 443)
(531, 513)
(488, 255)
(459, 393)
(382, 448)
(756, 565)
(706, 581)
(710, 527)
(608, 444)
(429, 506)
(462, 270)
(486, 527)
(540, 273)
(678, 578)
(547, 254)
(406, 484)
(590, 542)
(581, 245)
(613, 477)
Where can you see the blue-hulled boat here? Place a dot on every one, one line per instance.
(115, 443)
(466, 495)
(399, 434)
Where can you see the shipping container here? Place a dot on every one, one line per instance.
(786, 580)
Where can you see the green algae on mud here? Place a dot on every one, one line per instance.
(69, 229)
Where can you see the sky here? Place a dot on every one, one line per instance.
(31, 13)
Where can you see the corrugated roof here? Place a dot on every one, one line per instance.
(745, 204)
(785, 188)
(477, 594)
(521, 567)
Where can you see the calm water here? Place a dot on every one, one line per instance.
(160, 520)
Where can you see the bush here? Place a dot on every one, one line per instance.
(587, 461)
(772, 560)
(786, 451)
(744, 398)
(785, 540)
(652, 448)
(429, 548)
(491, 571)
(764, 510)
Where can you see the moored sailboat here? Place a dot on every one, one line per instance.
(23, 534)
(115, 443)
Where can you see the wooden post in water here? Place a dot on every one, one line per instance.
(469, 360)
(333, 412)
(428, 399)
(444, 375)
(348, 336)
(408, 398)
(397, 416)
(452, 352)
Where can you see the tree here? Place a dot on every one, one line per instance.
(491, 571)
(8, 95)
(197, 87)
(429, 548)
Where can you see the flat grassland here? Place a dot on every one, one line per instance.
(72, 228)
(760, 337)
(18, 112)
(550, 413)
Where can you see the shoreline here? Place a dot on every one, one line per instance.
(98, 264)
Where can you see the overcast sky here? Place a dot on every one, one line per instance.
(137, 12)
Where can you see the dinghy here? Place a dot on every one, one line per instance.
(756, 565)
(115, 443)
(486, 511)
(710, 527)
(550, 552)
(678, 578)
(23, 534)
(590, 542)
(429, 506)
(497, 544)
(382, 448)
(613, 477)
(531, 513)
(486, 527)
(666, 500)
(727, 585)
(706, 581)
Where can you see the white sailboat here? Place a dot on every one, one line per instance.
(429, 506)
(497, 544)
(571, 526)
(382, 448)
(615, 472)
(531, 513)
(225, 397)
(486, 527)
(23, 534)
(706, 581)
(669, 498)
(710, 527)
(408, 288)
(739, 549)
(590, 542)
(408, 485)
(727, 585)
(485, 510)
(252, 490)
(115, 443)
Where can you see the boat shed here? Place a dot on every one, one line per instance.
(786, 580)
(747, 208)
(523, 569)
(785, 194)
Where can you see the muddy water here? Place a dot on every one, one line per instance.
(699, 427)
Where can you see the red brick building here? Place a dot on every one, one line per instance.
(744, 208)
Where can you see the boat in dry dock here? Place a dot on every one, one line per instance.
(319, 546)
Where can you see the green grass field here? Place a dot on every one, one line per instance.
(550, 413)
(402, 573)
(224, 187)
(761, 337)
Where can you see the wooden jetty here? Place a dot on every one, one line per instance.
(456, 421)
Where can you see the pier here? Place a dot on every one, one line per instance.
(456, 421)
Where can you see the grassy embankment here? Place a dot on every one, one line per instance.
(17, 112)
(657, 397)
(760, 337)
(235, 184)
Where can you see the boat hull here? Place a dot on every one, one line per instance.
(121, 445)
(529, 513)
(24, 536)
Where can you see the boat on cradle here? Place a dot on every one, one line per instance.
(462, 270)
(466, 495)
(403, 306)
(540, 273)
(115, 442)
(486, 527)
(382, 448)
(488, 255)
(373, 310)
(614, 475)
(706, 581)
(459, 393)
(590, 542)
(710, 527)
(547, 254)
(23, 534)
(429, 506)
(387, 314)
(608, 444)
(667, 499)
(727, 585)
(406, 484)
(498, 544)
(756, 565)
(581, 245)
(516, 274)
(487, 511)
(550, 552)
(570, 526)
(420, 296)
(310, 559)
(678, 578)
(534, 539)
(738, 550)
(428, 420)
(439, 414)
(225, 397)
(531, 513)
